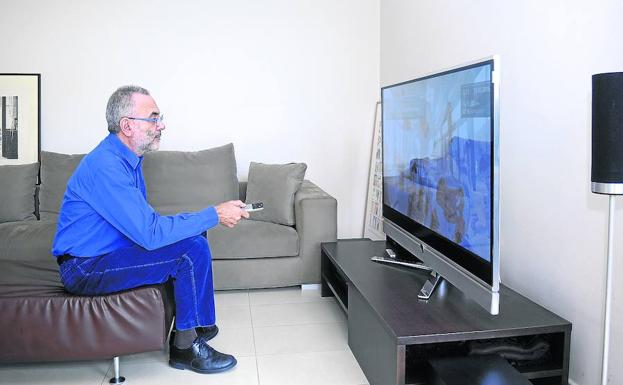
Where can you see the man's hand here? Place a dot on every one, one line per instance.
(229, 213)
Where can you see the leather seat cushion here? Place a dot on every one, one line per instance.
(42, 322)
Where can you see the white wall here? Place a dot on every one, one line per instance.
(283, 80)
(297, 81)
(553, 230)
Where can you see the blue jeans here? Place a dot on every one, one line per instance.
(188, 262)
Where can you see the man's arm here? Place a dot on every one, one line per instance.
(114, 196)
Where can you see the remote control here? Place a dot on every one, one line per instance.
(257, 206)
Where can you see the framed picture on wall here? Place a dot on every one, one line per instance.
(20, 118)
(373, 226)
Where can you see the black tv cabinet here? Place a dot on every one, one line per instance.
(393, 334)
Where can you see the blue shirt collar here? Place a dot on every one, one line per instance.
(123, 151)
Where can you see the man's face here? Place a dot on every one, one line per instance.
(145, 135)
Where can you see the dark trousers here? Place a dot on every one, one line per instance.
(188, 262)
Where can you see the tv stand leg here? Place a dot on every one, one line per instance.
(429, 287)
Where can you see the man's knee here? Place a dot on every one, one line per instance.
(201, 242)
(197, 247)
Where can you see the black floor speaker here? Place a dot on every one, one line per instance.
(607, 134)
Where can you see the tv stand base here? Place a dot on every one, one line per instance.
(413, 265)
(430, 285)
(433, 278)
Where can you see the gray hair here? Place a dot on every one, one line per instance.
(120, 105)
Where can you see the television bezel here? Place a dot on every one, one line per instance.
(464, 259)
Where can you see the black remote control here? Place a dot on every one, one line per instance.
(257, 206)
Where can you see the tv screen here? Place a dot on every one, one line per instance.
(438, 162)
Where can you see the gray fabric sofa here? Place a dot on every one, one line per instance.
(254, 254)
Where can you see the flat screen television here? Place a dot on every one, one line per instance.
(441, 176)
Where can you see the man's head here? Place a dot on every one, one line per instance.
(133, 115)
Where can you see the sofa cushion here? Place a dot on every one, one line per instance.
(27, 240)
(253, 239)
(55, 172)
(17, 192)
(50, 324)
(179, 181)
(275, 186)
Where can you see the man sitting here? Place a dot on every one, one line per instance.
(110, 239)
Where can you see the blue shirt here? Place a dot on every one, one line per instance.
(105, 207)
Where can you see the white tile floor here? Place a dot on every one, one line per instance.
(279, 337)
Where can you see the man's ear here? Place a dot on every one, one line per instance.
(126, 127)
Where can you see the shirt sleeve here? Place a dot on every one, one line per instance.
(114, 195)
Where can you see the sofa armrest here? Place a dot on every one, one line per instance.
(316, 221)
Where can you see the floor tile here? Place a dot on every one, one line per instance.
(326, 368)
(156, 356)
(235, 341)
(288, 336)
(245, 373)
(301, 338)
(285, 295)
(65, 373)
(231, 298)
(297, 313)
(233, 317)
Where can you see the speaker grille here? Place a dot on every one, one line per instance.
(607, 133)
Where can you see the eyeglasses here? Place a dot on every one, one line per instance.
(157, 119)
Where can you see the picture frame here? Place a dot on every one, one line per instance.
(373, 225)
(20, 118)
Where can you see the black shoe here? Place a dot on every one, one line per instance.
(207, 332)
(201, 358)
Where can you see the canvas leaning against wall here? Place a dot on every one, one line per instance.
(20, 122)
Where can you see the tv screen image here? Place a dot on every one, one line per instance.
(437, 145)
(440, 175)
